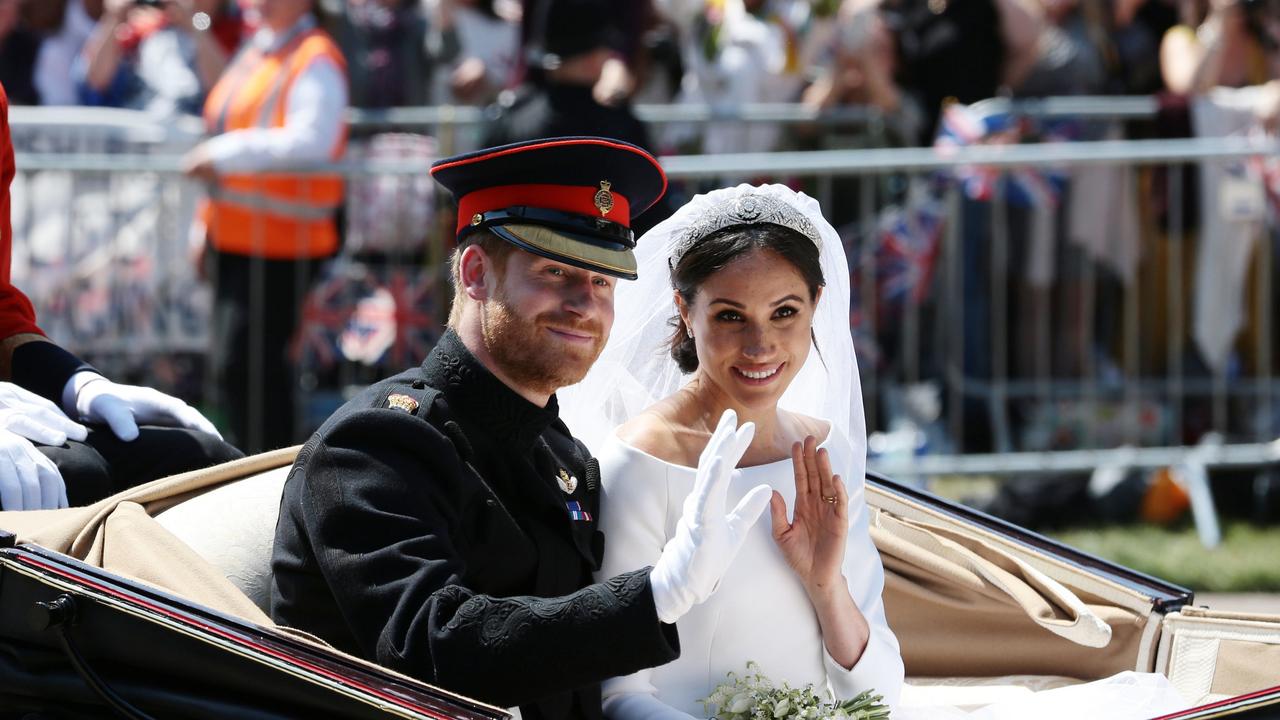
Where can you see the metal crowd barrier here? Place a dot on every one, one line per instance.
(992, 340)
(1110, 107)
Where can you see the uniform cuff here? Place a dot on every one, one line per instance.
(44, 369)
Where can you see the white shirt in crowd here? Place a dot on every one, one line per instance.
(314, 108)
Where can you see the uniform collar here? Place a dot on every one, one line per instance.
(476, 394)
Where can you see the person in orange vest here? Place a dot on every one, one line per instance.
(47, 458)
(278, 106)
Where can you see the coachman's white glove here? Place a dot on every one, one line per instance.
(124, 407)
(706, 539)
(28, 479)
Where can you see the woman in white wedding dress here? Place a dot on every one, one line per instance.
(754, 268)
(758, 324)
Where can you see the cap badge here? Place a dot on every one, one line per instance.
(604, 198)
(568, 483)
(402, 402)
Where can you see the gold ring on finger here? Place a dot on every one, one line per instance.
(831, 499)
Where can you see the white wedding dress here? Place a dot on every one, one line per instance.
(760, 611)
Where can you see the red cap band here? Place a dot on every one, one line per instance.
(565, 198)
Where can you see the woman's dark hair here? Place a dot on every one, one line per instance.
(712, 253)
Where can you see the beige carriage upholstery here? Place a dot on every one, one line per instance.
(965, 601)
(1210, 655)
(121, 533)
(233, 527)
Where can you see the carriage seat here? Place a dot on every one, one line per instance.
(233, 527)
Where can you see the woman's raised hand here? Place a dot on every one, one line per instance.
(707, 538)
(813, 541)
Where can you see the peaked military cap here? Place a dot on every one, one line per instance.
(570, 199)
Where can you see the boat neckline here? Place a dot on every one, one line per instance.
(668, 463)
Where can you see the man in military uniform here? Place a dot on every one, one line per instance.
(443, 523)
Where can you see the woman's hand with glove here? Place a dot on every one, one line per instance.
(706, 538)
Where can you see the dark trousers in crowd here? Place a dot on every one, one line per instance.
(103, 464)
(257, 304)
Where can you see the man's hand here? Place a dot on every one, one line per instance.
(28, 479)
(1268, 108)
(197, 164)
(706, 539)
(24, 413)
(615, 83)
(124, 407)
(469, 80)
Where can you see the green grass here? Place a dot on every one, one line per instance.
(1247, 560)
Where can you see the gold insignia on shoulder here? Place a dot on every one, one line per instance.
(604, 198)
(568, 483)
(402, 402)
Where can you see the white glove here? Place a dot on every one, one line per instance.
(123, 407)
(28, 479)
(25, 413)
(706, 539)
(35, 418)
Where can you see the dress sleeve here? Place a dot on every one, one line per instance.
(383, 537)
(880, 667)
(633, 511)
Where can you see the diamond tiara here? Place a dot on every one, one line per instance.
(746, 210)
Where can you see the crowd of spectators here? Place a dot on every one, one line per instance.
(573, 67)
(903, 57)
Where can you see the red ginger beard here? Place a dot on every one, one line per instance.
(528, 355)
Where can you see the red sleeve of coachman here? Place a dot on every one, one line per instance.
(16, 313)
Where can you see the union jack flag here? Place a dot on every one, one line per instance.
(417, 320)
(903, 252)
(906, 238)
(967, 125)
(908, 247)
(369, 315)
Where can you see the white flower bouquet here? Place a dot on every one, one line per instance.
(753, 696)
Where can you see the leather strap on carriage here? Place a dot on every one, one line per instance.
(59, 615)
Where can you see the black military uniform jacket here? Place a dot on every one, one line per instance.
(441, 525)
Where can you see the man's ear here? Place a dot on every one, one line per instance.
(476, 273)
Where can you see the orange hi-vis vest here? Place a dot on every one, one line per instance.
(276, 216)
